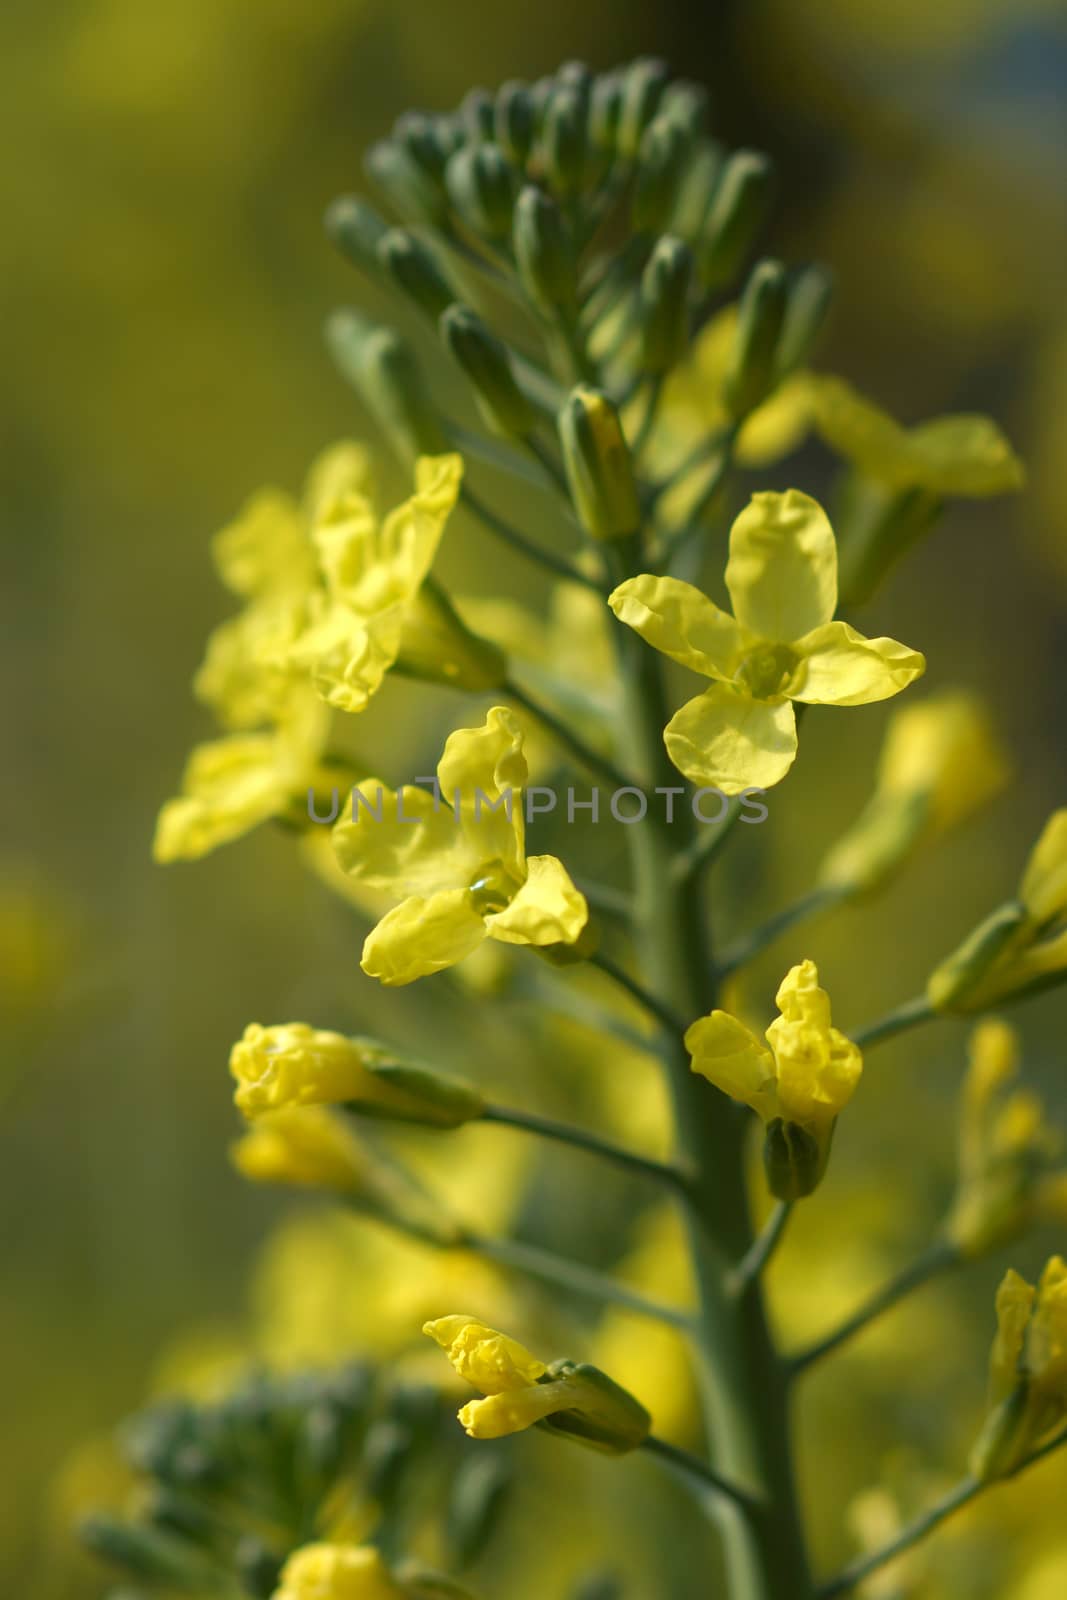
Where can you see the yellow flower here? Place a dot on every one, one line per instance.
(1022, 946)
(940, 761)
(459, 856)
(306, 1146)
(293, 1064)
(780, 645)
(798, 1087)
(521, 1391)
(953, 455)
(231, 785)
(1009, 1172)
(378, 607)
(268, 558)
(1027, 1373)
(337, 1572)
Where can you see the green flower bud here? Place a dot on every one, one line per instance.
(413, 190)
(257, 1566)
(487, 363)
(1005, 1437)
(665, 286)
(481, 184)
(957, 984)
(576, 75)
(752, 376)
(544, 252)
(380, 366)
(144, 1552)
(564, 141)
(605, 110)
(478, 114)
(810, 293)
(599, 470)
(515, 124)
(687, 104)
(415, 270)
(438, 647)
(738, 211)
(356, 229)
(429, 141)
(661, 161)
(642, 89)
(606, 1416)
(793, 1159)
(696, 190)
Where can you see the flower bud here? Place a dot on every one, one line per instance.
(380, 365)
(1027, 1372)
(338, 1572)
(598, 466)
(292, 1064)
(356, 229)
(643, 84)
(793, 1159)
(481, 184)
(665, 286)
(478, 114)
(544, 253)
(738, 211)
(414, 269)
(429, 141)
(688, 104)
(144, 1552)
(604, 112)
(410, 187)
(605, 1416)
(696, 190)
(564, 137)
(751, 376)
(661, 162)
(437, 646)
(808, 302)
(487, 364)
(960, 982)
(515, 123)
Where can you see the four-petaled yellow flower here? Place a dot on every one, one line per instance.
(292, 1064)
(798, 1087)
(780, 645)
(457, 857)
(1027, 1371)
(1011, 1172)
(337, 1572)
(522, 1392)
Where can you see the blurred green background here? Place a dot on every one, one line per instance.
(164, 281)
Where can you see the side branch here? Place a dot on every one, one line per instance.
(582, 1139)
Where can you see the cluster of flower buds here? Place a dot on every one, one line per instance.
(335, 1453)
(595, 213)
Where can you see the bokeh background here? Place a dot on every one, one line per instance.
(164, 280)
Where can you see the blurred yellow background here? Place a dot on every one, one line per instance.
(164, 279)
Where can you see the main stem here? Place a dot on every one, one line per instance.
(743, 1381)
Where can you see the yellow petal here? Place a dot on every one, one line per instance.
(230, 786)
(731, 1057)
(265, 550)
(483, 770)
(782, 571)
(1043, 889)
(337, 1572)
(862, 432)
(337, 473)
(349, 655)
(422, 936)
(725, 740)
(490, 1361)
(964, 455)
(548, 909)
(675, 618)
(839, 667)
(502, 1414)
(946, 748)
(402, 841)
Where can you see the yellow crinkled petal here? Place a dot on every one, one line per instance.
(246, 675)
(966, 456)
(307, 1146)
(548, 909)
(1015, 1302)
(339, 471)
(422, 936)
(231, 785)
(839, 667)
(725, 740)
(731, 1057)
(782, 571)
(490, 1361)
(337, 1572)
(501, 1414)
(861, 432)
(484, 768)
(402, 841)
(677, 619)
(1043, 889)
(265, 550)
(349, 655)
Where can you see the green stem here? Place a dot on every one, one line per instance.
(701, 851)
(939, 1258)
(762, 1249)
(583, 1139)
(743, 1382)
(559, 566)
(967, 1490)
(906, 1016)
(696, 1474)
(636, 990)
(573, 1275)
(752, 944)
(616, 904)
(565, 736)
